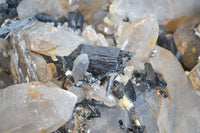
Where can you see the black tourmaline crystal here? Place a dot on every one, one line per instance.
(102, 59)
(45, 18)
(130, 91)
(76, 20)
(3, 7)
(12, 3)
(150, 80)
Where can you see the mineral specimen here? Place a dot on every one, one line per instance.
(34, 107)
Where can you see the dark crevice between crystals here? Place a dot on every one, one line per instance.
(83, 112)
(167, 42)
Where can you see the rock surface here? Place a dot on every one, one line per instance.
(34, 107)
(131, 37)
(188, 44)
(194, 77)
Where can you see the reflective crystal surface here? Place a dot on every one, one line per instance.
(34, 107)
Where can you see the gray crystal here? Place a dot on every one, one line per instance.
(80, 67)
(34, 107)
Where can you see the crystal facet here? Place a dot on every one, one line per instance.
(34, 107)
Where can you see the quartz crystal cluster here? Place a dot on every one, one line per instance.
(71, 66)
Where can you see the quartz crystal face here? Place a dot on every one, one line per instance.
(179, 112)
(34, 107)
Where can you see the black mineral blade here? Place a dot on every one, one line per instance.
(45, 18)
(79, 20)
(161, 83)
(75, 20)
(150, 81)
(72, 19)
(130, 91)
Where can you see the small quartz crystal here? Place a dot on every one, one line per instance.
(80, 67)
(131, 37)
